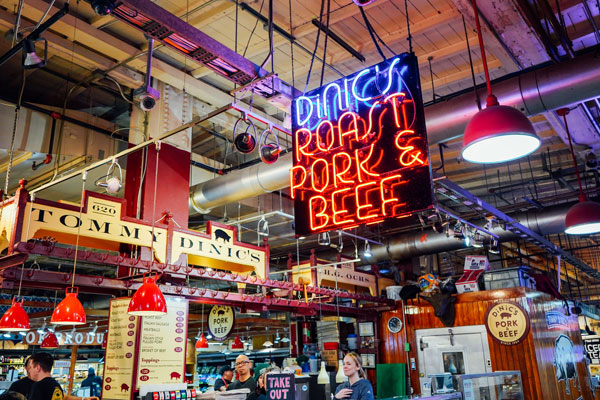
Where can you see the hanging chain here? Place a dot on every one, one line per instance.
(83, 179)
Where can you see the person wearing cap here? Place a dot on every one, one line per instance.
(94, 382)
(221, 383)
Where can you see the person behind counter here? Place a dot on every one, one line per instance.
(39, 384)
(94, 382)
(245, 379)
(357, 387)
(221, 383)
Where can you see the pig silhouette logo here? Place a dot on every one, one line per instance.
(175, 375)
(505, 315)
(221, 313)
(565, 362)
(221, 234)
(124, 388)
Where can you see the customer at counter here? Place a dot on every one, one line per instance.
(225, 379)
(357, 387)
(245, 379)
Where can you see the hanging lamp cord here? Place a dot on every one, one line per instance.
(83, 179)
(154, 203)
(491, 99)
(563, 113)
(409, 38)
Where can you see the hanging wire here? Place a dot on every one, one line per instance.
(253, 29)
(314, 53)
(11, 151)
(292, 46)
(482, 49)
(26, 238)
(326, 40)
(477, 99)
(409, 38)
(83, 180)
(431, 77)
(154, 200)
(371, 32)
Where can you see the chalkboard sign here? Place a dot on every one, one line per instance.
(280, 386)
(592, 348)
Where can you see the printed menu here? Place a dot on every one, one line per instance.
(161, 356)
(120, 350)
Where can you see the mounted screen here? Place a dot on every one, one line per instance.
(360, 149)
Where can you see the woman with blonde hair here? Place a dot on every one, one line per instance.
(357, 387)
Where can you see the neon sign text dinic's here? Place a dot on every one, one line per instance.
(360, 149)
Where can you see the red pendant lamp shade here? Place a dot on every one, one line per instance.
(497, 133)
(70, 310)
(584, 217)
(50, 341)
(202, 343)
(15, 319)
(147, 300)
(237, 344)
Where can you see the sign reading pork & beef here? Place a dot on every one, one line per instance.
(507, 323)
(220, 321)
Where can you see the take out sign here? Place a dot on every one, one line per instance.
(507, 323)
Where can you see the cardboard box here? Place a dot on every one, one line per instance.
(474, 267)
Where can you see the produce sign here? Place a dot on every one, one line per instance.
(360, 149)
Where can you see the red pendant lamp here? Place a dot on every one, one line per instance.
(50, 341)
(584, 217)
(497, 133)
(148, 300)
(70, 310)
(237, 344)
(202, 343)
(15, 319)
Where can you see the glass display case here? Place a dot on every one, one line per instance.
(501, 385)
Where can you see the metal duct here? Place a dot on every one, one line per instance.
(532, 92)
(545, 222)
(241, 184)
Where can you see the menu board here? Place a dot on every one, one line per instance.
(161, 357)
(120, 349)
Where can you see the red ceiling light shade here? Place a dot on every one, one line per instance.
(584, 217)
(237, 344)
(50, 341)
(70, 310)
(202, 343)
(15, 319)
(497, 133)
(148, 300)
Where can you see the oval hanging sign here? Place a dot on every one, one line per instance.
(507, 323)
(221, 320)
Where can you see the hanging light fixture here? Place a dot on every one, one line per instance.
(50, 341)
(584, 217)
(367, 251)
(15, 319)
(148, 300)
(42, 329)
(497, 133)
(202, 343)
(268, 343)
(70, 310)
(237, 344)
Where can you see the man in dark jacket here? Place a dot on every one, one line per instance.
(94, 382)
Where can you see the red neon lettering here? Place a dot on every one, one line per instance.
(301, 147)
(342, 209)
(329, 134)
(361, 164)
(338, 173)
(394, 99)
(319, 176)
(293, 182)
(389, 191)
(321, 214)
(360, 206)
(350, 129)
(370, 126)
(408, 156)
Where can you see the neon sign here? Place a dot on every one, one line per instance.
(360, 149)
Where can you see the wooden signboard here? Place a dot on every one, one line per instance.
(161, 356)
(120, 349)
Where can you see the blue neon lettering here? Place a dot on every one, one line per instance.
(356, 96)
(299, 111)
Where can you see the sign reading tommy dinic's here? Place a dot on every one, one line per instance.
(360, 149)
(507, 323)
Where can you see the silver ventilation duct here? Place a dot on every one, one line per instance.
(532, 92)
(545, 222)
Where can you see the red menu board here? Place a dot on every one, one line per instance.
(360, 149)
(161, 357)
(120, 350)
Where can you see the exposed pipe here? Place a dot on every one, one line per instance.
(545, 222)
(533, 92)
